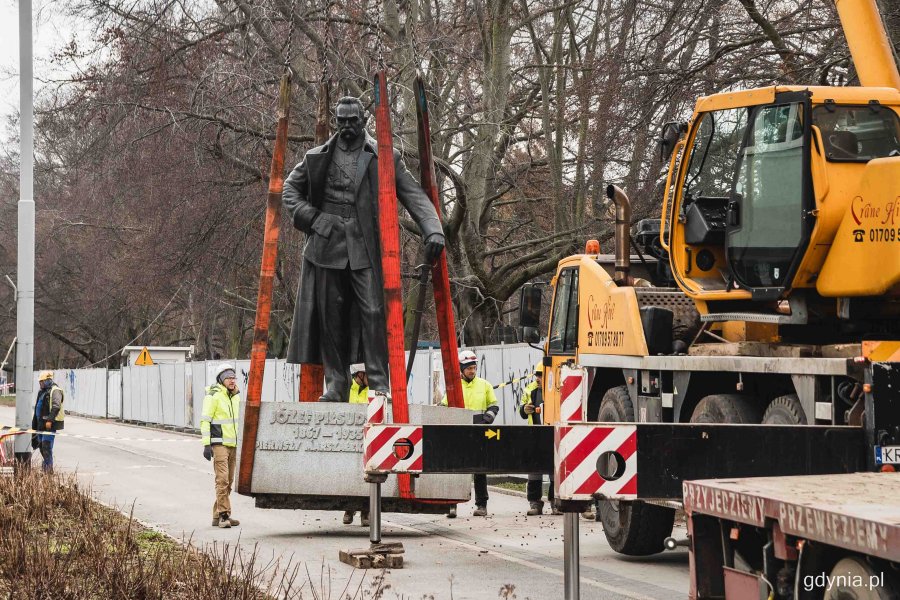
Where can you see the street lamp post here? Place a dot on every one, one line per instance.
(25, 262)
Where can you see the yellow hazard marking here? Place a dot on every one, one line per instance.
(144, 359)
(881, 351)
(491, 434)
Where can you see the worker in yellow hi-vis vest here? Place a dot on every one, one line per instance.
(359, 385)
(478, 395)
(218, 426)
(532, 409)
(359, 394)
(48, 416)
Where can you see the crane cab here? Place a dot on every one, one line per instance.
(760, 184)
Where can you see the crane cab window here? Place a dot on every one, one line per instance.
(715, 149)
(564, 320)
(766, 227)
(857, 133)
(707, 185)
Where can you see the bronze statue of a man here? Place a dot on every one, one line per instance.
(332, 196)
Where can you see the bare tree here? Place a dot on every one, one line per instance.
(153, 155)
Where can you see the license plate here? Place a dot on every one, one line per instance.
(887, 455)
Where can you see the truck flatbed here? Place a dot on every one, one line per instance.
(857, 511)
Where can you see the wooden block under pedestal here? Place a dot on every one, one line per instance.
(372, 561)
(377, 556)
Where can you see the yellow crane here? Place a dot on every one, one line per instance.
(774, 266)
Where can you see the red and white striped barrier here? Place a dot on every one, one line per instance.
(583, 451)
(375, 413)
(393, 449)
(573, 394)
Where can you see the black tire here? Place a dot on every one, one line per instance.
(785, 410)
(726, 408)
(632, 528)
(850, 568)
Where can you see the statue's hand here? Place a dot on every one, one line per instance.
(434, 244)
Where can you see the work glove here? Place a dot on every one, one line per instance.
(207, 452)
(434, 245)
(489, 418)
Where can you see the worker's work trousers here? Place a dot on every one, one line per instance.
(338, 291)
(534, 488)
(223, 465)
(46, 446)
(481, 493)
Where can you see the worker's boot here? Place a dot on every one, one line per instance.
(348, 517)
(224, 523)
(536, 509)
(234, 522)
(554, 509)
(215, 521)
(451, 514)
(588, 514)
(480, 511)
(364, 518)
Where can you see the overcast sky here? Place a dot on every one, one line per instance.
(52, 29)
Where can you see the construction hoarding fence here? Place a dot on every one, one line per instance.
(171, 394)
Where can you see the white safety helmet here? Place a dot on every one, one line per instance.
(467, 358)
(357, 368)
(220, 370)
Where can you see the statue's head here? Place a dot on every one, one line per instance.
(351, 118)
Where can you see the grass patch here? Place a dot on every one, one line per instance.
(511, 485)
(57, 542)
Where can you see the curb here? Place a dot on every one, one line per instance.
(507, 492)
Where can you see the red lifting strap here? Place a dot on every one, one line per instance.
(264, 299)
(439, 274)
(389, 227)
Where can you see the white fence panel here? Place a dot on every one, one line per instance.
(167, 394)
(198, 391)
(418, 387)
(269, 385)
(90, 390)
(142, 394)
(127, 413)
(154, 399)
(181, 388)
(172, 394)
(84, 390)
(114, 394)
(287, 381)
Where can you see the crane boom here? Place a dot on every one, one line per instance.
(869, 43)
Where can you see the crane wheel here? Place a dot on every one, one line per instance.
(785, 410)
(878, 584)
(632, 528)
(727, 408)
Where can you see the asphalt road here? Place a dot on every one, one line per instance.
(169, 485)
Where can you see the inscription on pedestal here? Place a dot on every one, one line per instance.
(293, 429)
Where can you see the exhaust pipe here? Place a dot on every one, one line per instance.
(623, 224)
